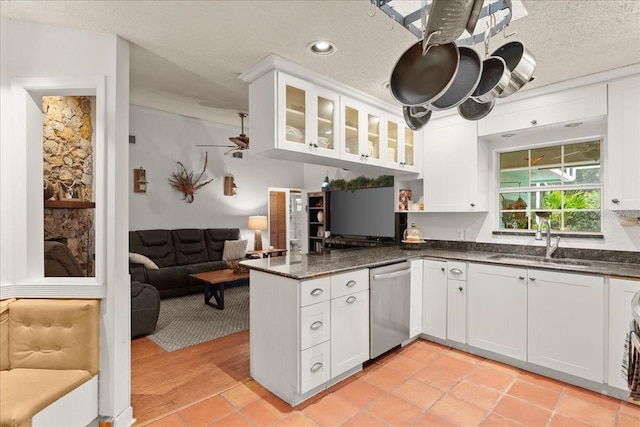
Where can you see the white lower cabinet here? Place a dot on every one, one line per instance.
(457, 301)
(497, 309)
(349, 331)
(620, 293)
(349, 320)
(566, 323)
(434, 298)
(315, 366)
(415, 306)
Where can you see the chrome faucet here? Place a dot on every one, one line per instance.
(550, 249)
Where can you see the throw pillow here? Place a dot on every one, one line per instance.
(234, 249)
(141, 259)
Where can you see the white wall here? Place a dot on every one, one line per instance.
(162, 139)
(50, 55)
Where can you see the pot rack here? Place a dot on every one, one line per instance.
(408, 13)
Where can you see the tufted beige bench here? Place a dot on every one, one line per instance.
(48, 348)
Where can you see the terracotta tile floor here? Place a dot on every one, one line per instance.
(422, 384)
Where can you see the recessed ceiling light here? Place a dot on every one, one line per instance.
(321, 47)
(573, 125)
(508, 135)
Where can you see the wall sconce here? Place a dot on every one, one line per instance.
(230, 188)
(140, 180)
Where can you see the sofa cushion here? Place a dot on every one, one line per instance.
(141, 259)
(4, 333)
(59, 261)
(164, 279)
(154, 244)
(32, 390)
(215, 238)
(55, 333)
(189, 245)
(234, 249)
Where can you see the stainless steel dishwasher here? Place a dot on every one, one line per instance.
(389, 290)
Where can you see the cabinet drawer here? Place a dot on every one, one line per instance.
(314, 291)
(457, 270)
(315, 366)
(315, 324)
(348, 283)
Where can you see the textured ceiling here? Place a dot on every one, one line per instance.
(186, 55)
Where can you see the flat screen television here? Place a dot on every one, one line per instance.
(367, 213)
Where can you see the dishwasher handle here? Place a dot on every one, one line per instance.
(392, 275)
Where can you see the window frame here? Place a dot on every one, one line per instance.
(529, 189)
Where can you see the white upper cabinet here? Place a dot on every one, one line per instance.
(453, 181)
(623, 145)
(305, 120)
(307, 116)
(558, 107)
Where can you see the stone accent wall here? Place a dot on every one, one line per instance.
(68, 159)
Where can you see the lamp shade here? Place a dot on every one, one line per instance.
(257, 222)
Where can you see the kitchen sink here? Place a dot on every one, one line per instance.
(540, 261)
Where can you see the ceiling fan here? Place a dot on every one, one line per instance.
(241, 141)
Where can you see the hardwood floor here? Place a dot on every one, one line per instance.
(163, 382)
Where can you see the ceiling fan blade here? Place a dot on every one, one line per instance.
(231, 151)
(213, 145)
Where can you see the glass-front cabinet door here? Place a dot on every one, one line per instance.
(308, 117)
(393, 129)
(408, 160)
(363, 133)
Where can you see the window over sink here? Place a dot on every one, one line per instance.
(563, 180)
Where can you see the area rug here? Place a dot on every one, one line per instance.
(186, 321)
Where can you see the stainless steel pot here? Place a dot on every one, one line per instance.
(416, 117)
(520, 62)
(473, 110)
(494, 80)
(465, 81)
(419, 79)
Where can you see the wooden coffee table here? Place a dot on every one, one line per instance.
(215, 281)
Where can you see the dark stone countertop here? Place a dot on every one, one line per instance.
(597, 262)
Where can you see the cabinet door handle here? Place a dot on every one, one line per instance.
(316, 367)
(456, 271)
(534, 122)
(442, 268)
(473, 205)
(351, 283)
(460, 288)
(316, 325)
(533, 279)
(316, 292)
(351, 299)
(615, 201)
(521, 278)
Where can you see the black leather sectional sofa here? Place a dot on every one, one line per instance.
(178, 253)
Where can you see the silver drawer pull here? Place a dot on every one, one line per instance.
(316, 292)
(533, 279)
(316, 325)
(351, 283)
(521, 278)
(351, 299)
(316, 367)
(456, 271)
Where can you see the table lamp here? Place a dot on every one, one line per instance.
(257, 223)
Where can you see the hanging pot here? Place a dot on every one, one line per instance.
(465, 81)
(520, 62)
(474, 110)
(416, 117)
(493, 81)
(419, 79)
